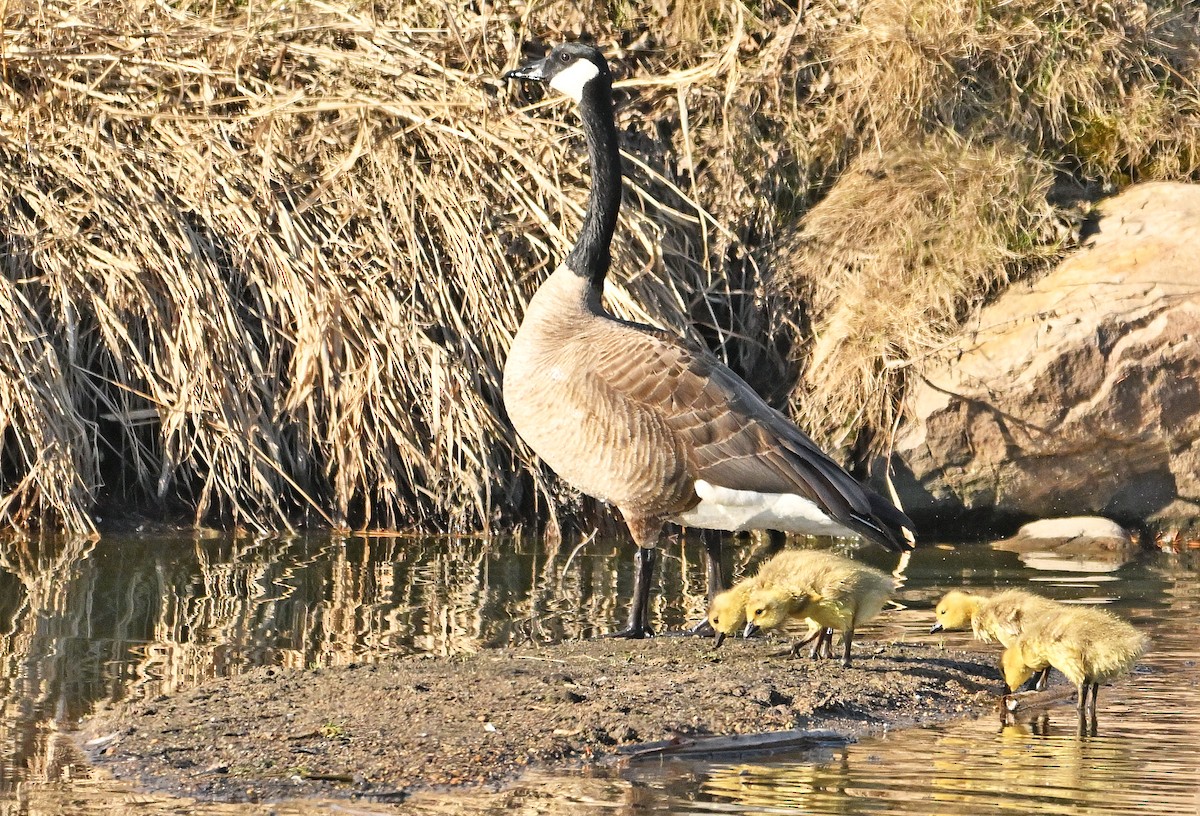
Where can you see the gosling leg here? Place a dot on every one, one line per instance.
(1037, 682)
(817, 635)
(824, 646)
(847, 637)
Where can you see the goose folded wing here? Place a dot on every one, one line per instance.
(732, 436)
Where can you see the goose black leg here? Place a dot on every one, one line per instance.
(712, 563)
(639, 612)
(847, 637)
(714, 580)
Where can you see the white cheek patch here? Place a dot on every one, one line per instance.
(572, 80)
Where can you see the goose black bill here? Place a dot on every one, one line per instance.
(534, 71)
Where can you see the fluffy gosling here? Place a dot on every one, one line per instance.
(838, 595)
(1090, 646)
(727, 612)
(993, 618)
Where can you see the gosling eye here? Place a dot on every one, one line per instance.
(758, 612)
(716, 619)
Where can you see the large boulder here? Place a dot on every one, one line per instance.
(1077, 394)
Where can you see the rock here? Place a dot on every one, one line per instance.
(1079, 393)
(1092, 532)
(1076, 544)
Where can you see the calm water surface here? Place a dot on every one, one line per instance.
(84, 624)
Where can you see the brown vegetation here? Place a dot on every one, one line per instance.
(264, 262)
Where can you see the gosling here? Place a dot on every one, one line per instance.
(993, 618)
(1090, 646)
(838, 595)
(727, 612)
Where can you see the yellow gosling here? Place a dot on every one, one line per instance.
(837, 595)
(727, 612)
(1090, 646)
(993, 618)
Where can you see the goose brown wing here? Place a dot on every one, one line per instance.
(732, 437)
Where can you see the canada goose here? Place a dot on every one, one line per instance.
(839, 595)
(991, 618)
(1090, 646)
(637, 417)
(727, 611)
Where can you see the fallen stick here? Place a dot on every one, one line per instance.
(1023, 701)
(740, 743)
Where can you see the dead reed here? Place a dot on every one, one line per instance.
(263, 262)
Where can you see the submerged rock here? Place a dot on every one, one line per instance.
(1076, 544)
(1079, 393)
(1077, 532)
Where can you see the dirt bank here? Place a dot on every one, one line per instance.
(379, 730)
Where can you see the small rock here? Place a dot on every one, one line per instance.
(1095, 530)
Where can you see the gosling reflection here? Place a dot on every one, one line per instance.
(1040, 724)
(775, 785)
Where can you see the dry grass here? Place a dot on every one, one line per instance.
(264, 262)
(904, 245)
(1054, 75)
(268, 265)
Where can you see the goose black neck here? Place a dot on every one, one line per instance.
(592, 253)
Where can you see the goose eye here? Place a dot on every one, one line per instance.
(564, 57)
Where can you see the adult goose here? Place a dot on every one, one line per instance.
(637, 417)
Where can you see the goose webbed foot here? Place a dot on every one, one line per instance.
(632, 633)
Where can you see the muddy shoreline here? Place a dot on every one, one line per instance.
(382, 730)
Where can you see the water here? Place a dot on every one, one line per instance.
(86, 624)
